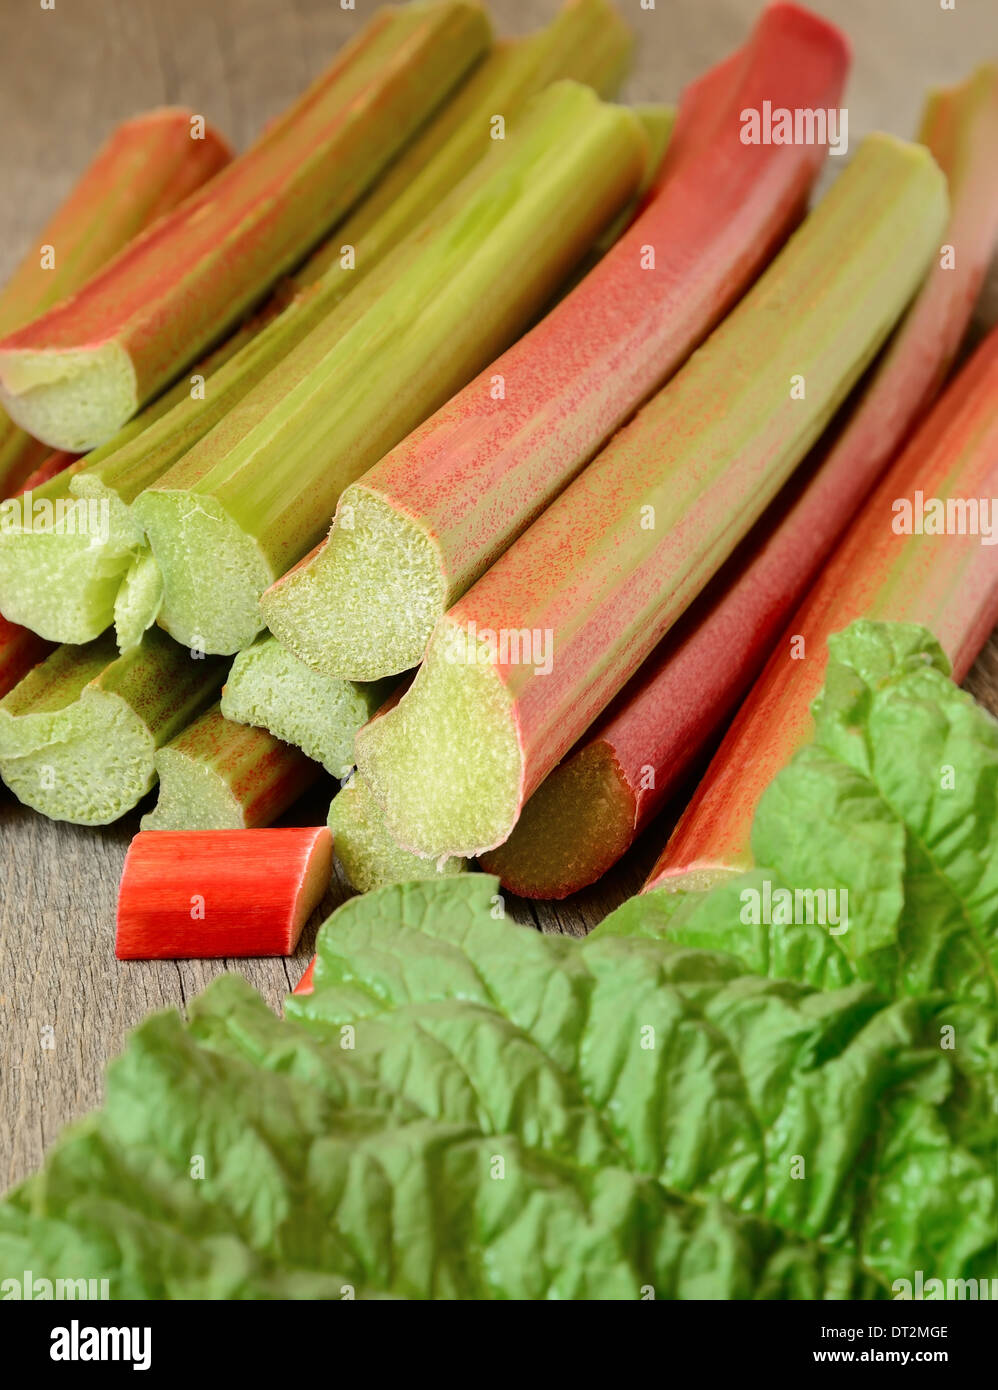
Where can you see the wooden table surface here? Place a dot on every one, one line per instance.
(66, 76)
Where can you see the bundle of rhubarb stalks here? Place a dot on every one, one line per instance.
(486, 445)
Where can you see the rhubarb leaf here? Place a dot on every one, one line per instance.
(464, 1108)
(893, 805)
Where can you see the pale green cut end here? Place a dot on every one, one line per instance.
(87, 763)
(213, 572)
(192, 796)
(445, 764)
(62, 562)
(369, 856)
(365, 606)
(138, 601)
(271, 689)
(70, 400)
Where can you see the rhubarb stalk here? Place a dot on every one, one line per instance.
(592, 806)
(20, 650)
(204, 894)
(368, 855)
(939, 573)
(526, 660)
(79, 733)
(586, 41)
(77, 374)
(271, 689)
(425, 522)
(218, 775)
(256, 494)
(70, 587)
(149, 165)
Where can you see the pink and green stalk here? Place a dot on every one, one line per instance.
(20, 650)
(88, 584)
(521, 665)
(148, 165)
(425, 522)
(78, 735)
(592, 806)
(946, 580)
(74, 376)
(219, 775)
(258, 492)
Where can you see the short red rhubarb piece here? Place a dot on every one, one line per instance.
(74, 376)
(925, 550)
(201, 894)
(416, 530)
(588, 812)
(530, 656)
(149, 165)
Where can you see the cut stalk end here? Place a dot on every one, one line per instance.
(78, 735)
(87, 764)
(271, 689)
(213, 572)
(70, 400)
(62, 560)
(219, 775)
(369, 856)
(365, 607)
(445, 764)
(576, 826)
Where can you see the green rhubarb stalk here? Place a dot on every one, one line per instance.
(587, 41)
(217, 775)
(368, 855)
(148, 166)
(529, 656)
(251, 499)
(70, 585)
(75, 375)
(78, 735)
(271, 689)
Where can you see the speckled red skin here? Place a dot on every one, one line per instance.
(478, 472)
(167, 296)
(20, 651)
(687, 690)
(258, 887)
(948, 583)
(50, 466)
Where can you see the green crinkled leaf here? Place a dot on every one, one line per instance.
(895, 804)
(464, 1108)
(690, 1103)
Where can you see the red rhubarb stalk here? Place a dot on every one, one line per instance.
(945, 580)
(201, 894)
(20, 651)
(149, 165)
(459, 490)
(587, 813)
(305, 985)
(77, 374)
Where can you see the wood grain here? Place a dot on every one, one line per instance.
(67, 75)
